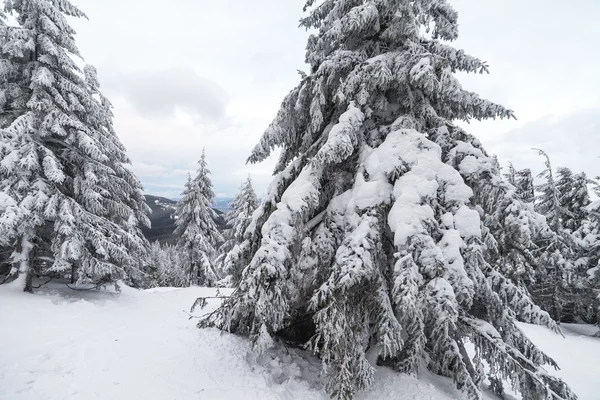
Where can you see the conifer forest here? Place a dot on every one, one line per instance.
(227, 205)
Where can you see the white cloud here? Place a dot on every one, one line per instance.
(162, 93)
(571, 140)
(146, 170)
(540, 53)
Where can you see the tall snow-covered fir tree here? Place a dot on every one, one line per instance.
(61, 161)
(548, 202)
(588, 239)
(385, 232)
(582, 230)
(586, 280)
(196, 230)
(556, 269)
(239, 218)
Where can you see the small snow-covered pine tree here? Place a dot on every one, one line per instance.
(62, 162)
(522, 181)
(196, 230)
(573, 197)
(172, 270)
(239, 218)
(525, 186)
(386, 225)
(511, 174)
(548, 202)
(167, 267)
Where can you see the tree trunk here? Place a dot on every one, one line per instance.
(557, 301)
(21, 260)
(191, 274)
(30, 271)
(29, 281)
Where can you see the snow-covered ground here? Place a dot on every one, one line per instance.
(578, 356)
(61, 344)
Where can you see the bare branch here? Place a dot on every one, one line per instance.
(42, 284)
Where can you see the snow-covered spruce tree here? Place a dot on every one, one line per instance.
(61, 161)
(172, 270)
(587, 240)
(548, 202)
(126, 205)
(592, 251)
(522, 180)
(574, 197)
(586, 280)
(196, 231)
(590, 233)
(380, 235)
(556, 270)
(563, 284)
(167, 268)
(525, 186)
(239, 218)
(515, 228)
(511, 174)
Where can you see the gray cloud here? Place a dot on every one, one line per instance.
(161, 93)
(571, 140)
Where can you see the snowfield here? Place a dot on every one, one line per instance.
(61, 344)
(577, 355)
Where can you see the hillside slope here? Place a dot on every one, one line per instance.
(162, 218)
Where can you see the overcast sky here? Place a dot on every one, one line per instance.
(188, 74)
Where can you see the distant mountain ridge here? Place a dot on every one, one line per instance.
(162, 218)
(223, 203)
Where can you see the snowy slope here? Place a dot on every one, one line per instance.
(61, 344)
(578, 356)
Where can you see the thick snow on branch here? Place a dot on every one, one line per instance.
(411, 210)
